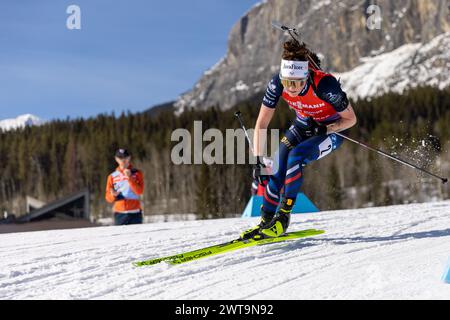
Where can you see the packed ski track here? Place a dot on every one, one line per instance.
(396, 252)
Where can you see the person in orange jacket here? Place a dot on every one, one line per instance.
(123, 188)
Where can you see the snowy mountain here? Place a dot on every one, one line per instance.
(338, 32)
(20, 122)
(409, 66)
(397, 252)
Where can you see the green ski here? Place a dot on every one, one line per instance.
(227, 247)
(208, 250)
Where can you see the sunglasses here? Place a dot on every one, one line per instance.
(293, 82)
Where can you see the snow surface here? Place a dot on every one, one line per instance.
(20, 122)
(154, 218)
(397, 252)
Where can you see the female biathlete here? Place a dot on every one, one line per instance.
(322, 109)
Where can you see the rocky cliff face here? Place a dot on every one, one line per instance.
(337, 30)
(408, 66)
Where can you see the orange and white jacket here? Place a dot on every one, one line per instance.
(130, 189)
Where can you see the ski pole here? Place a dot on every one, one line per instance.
(444, 180)
(238, 115)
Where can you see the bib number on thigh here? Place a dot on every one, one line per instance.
(325, 147)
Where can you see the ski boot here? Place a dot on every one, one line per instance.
(266, 218)
(280, 223)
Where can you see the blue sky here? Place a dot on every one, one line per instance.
(128, 55)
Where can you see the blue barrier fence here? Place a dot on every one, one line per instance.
(446, 276)
(302, 205)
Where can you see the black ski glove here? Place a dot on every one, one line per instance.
(313, 128)
(119, 197)
(258, 172)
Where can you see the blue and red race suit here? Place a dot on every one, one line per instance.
(322, 99)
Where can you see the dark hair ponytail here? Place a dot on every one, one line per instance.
(296, 51)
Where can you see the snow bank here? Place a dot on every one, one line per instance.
(396, 252)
